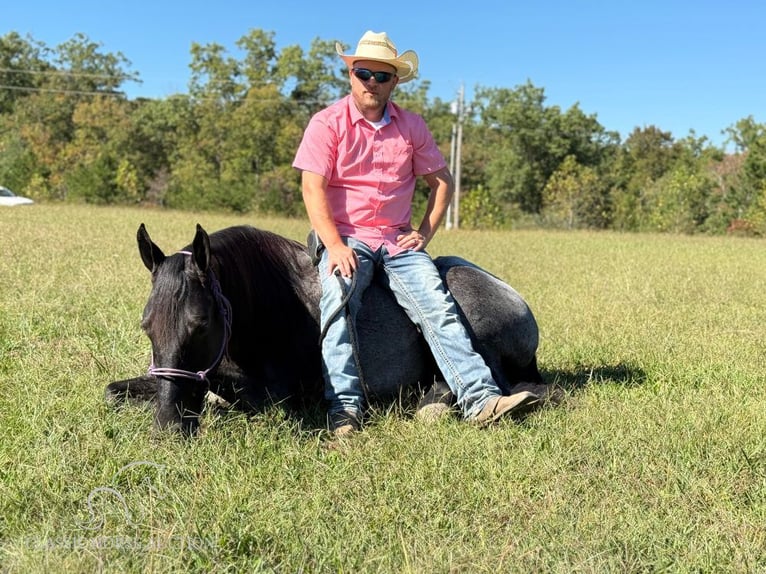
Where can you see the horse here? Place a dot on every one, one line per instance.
(236, 313)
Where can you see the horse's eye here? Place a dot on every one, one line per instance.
(197, 323)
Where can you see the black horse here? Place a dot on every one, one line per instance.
(236, 313)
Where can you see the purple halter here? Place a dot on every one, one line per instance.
(224, 308)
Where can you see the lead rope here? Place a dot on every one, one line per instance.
(350, 327)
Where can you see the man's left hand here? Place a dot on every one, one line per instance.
(411, 240)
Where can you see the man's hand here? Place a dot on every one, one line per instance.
(341, 258)
(411, 240)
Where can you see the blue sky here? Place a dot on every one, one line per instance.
(677, 65)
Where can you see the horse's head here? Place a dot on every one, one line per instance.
(187, 320)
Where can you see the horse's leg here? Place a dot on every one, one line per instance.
(230, 392)
(528, 378)
(139, 389)
(240, 390)
(527, 374)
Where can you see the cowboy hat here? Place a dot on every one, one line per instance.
(378, 47)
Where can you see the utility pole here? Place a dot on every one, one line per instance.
(458, 108)
(453, 145)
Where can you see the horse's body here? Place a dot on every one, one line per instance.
(271, 294)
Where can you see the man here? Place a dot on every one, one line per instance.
(359, 160)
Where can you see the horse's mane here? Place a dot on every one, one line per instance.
(263, 276)
(247, 252)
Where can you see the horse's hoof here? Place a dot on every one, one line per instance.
(550, 394)
(433, 412)
(215, 402)
(344, 424)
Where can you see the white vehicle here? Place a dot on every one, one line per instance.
(7, 197)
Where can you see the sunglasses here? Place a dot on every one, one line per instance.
(364, 74)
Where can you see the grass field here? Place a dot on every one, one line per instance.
(655, 462)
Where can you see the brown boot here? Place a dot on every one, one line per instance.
(498, 407)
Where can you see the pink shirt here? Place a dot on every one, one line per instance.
(370, 172)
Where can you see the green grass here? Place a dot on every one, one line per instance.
(655, 462)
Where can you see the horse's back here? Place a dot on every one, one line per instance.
(493, 309)
(499, 320)
(501, 325)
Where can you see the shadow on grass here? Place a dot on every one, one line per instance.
(584, 375)
(311, 416)
(307, 412)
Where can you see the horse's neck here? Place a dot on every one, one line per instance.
(253, 290)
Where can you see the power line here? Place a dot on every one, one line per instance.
(66, 73)
(61, 91)
(284, 100)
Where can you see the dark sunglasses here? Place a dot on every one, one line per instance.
(364, 74)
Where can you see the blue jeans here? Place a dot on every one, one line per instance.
(418, 288)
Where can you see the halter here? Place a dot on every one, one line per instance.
(224, 307)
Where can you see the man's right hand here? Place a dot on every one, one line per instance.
(341, 258)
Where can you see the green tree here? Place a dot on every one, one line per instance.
(311, 80)
(258, 67)
(44, 120)
(44, 126)
(82, 68)
(678, 201)
(68, 132)
(23, 68)
(249, 116)
(647, 154)
(97, 163)
(479, 211)
(749, 139)
(157, 128)
(528, 142)
(214, 74)
(18, 164)
(574, 197)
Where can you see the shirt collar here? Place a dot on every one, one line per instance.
(389, 113)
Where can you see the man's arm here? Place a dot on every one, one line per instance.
(442, 188)
(341, 257)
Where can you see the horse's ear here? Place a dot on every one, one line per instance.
(151, 255)
(201, 249)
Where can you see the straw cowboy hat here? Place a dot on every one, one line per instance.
(377, 46)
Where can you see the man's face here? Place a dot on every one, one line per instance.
(371, 94)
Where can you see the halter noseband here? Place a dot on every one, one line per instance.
(224, 307)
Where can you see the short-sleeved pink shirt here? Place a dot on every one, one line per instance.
(370, 172)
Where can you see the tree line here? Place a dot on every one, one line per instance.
(69, 133)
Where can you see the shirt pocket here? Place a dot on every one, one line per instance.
(398, 160)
